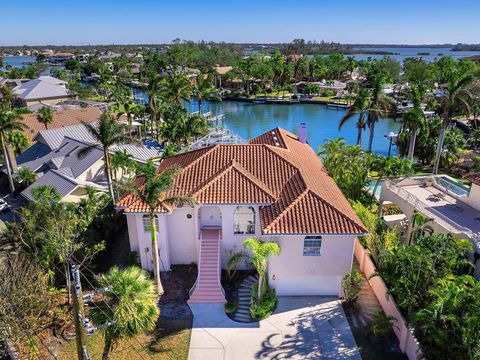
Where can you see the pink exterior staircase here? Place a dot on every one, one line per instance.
(208, 288)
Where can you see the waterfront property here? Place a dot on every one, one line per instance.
(454, 208)
(46, 90)
(274, 188)
(55, 159)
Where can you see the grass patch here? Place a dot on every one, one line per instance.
(165, 346)
(283, 93)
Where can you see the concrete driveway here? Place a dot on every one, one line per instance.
(301, 328)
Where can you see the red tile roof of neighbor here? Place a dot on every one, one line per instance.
(276, 171)
(61, 118)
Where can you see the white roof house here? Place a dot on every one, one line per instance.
(453, 207)
(46, 90)
(56, 161)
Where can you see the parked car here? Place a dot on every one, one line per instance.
(4, 206)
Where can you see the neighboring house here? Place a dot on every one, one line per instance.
(61, 118)
(46, 90)
(274, 188)
(60, 57)
(54, 157)
(453, 207)
(220, 72)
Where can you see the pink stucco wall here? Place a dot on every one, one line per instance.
(407, 341)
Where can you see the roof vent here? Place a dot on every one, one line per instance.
(277, 144)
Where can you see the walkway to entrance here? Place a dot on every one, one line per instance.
(300, 328)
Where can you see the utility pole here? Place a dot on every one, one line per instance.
(78, 315)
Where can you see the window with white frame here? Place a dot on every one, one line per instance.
(312, 245)
(244, 220)
(147, 223)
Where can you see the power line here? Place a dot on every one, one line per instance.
(93, 303)
(25, 325)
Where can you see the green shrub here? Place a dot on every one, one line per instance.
(351, 284)
(265, 308)
(230, 308)
(382, 324)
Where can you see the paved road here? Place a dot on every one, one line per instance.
(300, 328)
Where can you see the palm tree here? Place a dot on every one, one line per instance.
(360, 106)
(261, 251)
(154, 90)
(45, 116)
(457, 96)
(26, 177)
(414, 119)
(130, 307)
(103, 84)
(413, 123)
(108, 132)
(10, 120)
(121, 160)
(420, 225)
(380, 106)
(205, 90)
(177, 88)
(156, 194)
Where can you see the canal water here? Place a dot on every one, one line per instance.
(250, 120)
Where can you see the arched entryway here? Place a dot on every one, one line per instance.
(210, 217)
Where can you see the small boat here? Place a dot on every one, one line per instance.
(259, 102)
(338, 105)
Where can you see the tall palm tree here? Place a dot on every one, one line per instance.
(130, 307)
(414, 119)
(10, 120)
(154, 91)
(380, 106)
(261, 251)
(177, 88)
(156, 194)
(108, 132)
(360, 106)
(121, 160)
(45, 116)
(26, 177)
(204, 89)
(6, 97)
(413, 123)
(457, 96)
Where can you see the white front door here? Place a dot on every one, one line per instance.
(210, 216)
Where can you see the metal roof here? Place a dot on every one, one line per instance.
(62, 184)
(38, 89)
(65, 157)
(54, 137)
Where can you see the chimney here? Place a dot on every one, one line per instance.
(302, 133)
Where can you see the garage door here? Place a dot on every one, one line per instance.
(306, 285)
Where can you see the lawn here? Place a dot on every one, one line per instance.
(330, 99)
(283, 93)
(171, 338)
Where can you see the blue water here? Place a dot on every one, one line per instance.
(17, 61)
(403, 53)
(250, 120)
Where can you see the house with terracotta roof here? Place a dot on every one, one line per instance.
(274, 188)
(61, 118)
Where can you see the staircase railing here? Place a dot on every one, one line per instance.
(219, 268)
(190, 292)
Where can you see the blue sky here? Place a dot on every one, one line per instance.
(58, 22)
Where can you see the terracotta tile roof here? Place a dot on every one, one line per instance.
(275, 169)
(61, 118)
